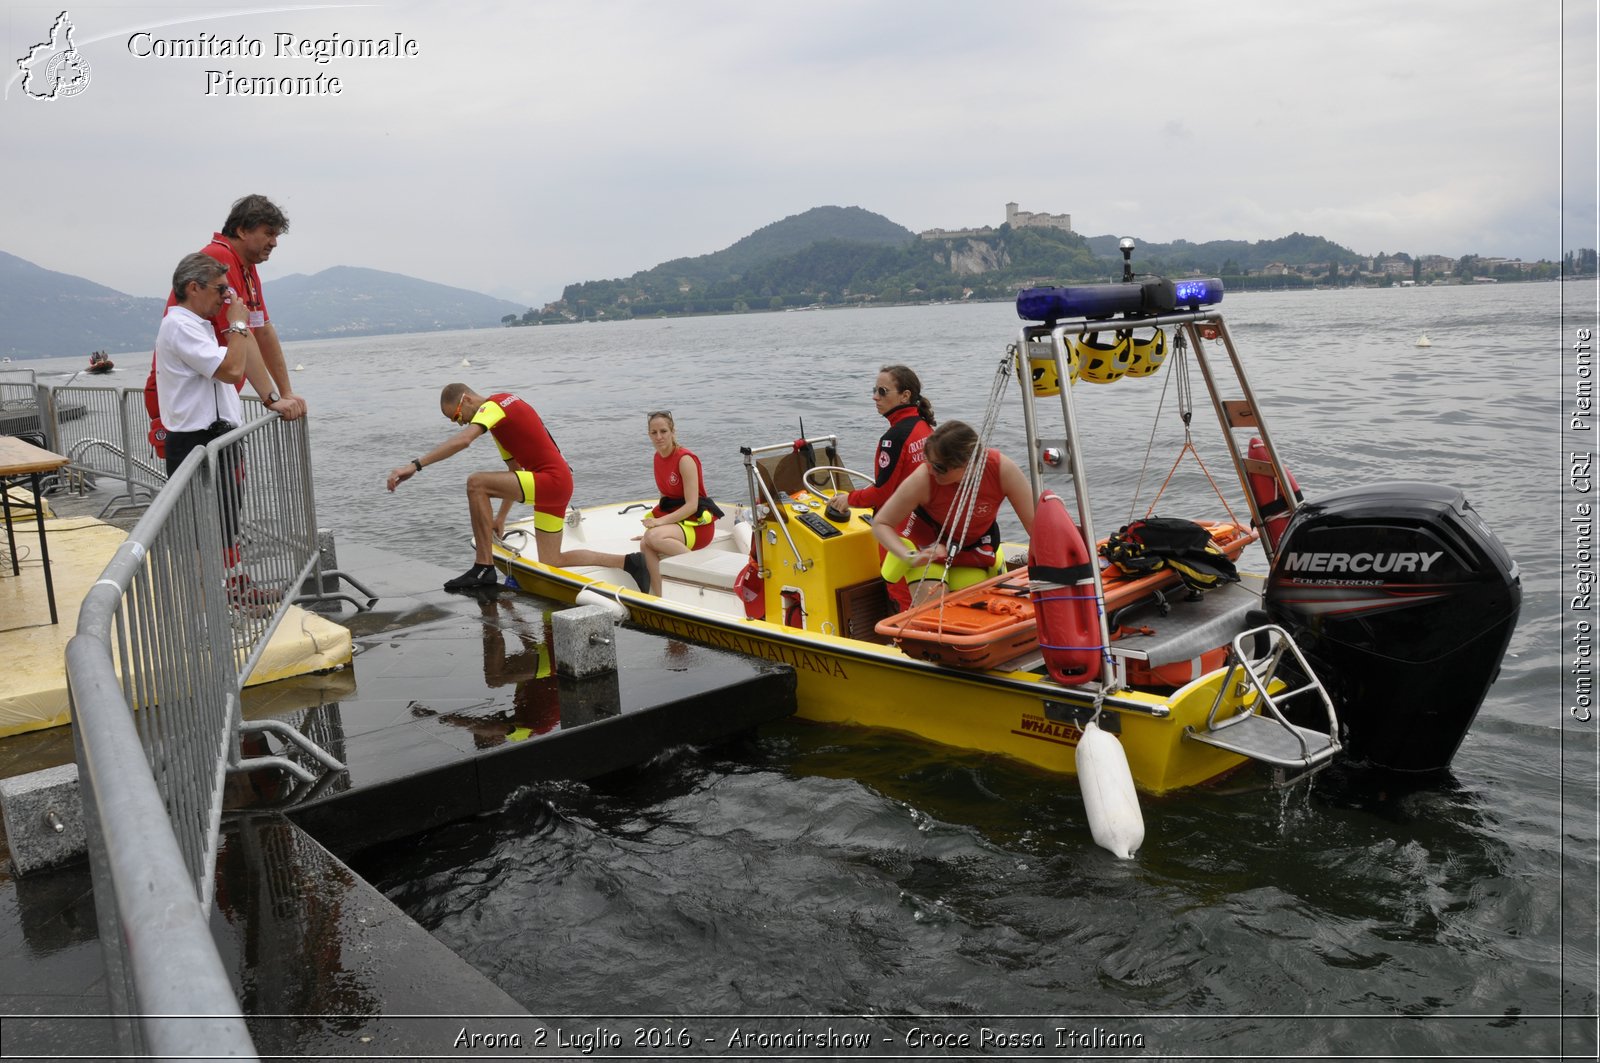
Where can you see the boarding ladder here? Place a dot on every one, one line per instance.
(1248, 716)
(1239, 417)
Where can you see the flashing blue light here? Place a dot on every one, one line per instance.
(1108, 300)
(1197, 291)
(1084, 300)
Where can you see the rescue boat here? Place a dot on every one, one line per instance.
(1321, 657)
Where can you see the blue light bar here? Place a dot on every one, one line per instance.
(1135, 300)
(1195, 292)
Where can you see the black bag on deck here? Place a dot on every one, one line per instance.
(1154, 543)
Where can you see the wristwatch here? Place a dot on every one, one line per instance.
(272, 397)
(239, 327)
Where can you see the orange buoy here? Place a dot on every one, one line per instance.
(1063, 594)
(1273, 508)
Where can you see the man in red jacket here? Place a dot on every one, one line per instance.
(247, 239)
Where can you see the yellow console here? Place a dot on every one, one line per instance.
(821, 574)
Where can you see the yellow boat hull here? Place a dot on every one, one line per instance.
(1021, 715)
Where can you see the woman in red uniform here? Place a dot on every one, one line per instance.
(925, 507)
(684, 519)
(897, 393)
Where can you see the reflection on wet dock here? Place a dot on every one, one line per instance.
(452, 704)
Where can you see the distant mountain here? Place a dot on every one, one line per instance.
(44, 313)
(799, 231)
(794, 235)
(48, 314)
(353, 301)
(1227, 256)
(834, 255)
(846, 255)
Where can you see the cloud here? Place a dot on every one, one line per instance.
(530, 145)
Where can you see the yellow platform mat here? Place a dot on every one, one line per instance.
(21, 499)
(33, 692)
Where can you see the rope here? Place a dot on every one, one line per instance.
(1188, 447)
(1185, 389)
(1150, 444)
(959, 520)
(954, 532)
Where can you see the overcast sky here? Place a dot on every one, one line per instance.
(528, 145)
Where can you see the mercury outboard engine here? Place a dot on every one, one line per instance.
(1403, 601)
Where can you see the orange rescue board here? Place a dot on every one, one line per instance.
(992, 622)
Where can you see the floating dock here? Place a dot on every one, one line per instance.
(450, 704)
(34, 695)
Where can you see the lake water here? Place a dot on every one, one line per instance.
(811, 872)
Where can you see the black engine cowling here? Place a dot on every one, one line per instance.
(1404, 602)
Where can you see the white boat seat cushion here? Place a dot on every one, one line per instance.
(709, 567)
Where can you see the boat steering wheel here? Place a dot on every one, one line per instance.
(806, 476)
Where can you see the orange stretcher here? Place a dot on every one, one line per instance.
(993, 621)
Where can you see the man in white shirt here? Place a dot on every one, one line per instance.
(196, 380)
(195, 377)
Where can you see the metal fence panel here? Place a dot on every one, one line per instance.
(105, 431)
(163, 642)
(21, 403)
(149, 638)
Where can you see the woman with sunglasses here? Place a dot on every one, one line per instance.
(897, 393)
(925, 507)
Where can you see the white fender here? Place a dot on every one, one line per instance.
(618, 611)
(742, 534)
(1109, 798)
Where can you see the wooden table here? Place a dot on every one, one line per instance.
(21, 458)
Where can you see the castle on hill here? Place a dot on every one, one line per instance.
(1017, 219)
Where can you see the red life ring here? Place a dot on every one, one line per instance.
(1264, 488)
(1063, 595)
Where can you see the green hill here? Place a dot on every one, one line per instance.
(846, 255)
(1216, 257)
(833, 255)
(665, 287)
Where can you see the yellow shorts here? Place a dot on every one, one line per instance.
(896, 569)
(545, 522)
(699, 531)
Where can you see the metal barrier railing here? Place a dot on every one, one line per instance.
(106, 431)
(101, 431)
(155, 612)
(164, 640)
(21, 403)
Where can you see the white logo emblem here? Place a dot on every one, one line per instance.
(54, 69)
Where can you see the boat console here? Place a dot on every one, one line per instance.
(816, 573)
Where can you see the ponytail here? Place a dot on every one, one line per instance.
(907, 380)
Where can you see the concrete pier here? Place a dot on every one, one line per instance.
(451, 704)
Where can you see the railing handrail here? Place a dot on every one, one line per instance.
(183, 979)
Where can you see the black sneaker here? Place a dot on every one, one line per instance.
(476, 578)
(634, 565)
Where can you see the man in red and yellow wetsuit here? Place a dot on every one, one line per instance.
(536, 474)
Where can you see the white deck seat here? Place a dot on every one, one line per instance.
(709, 568)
